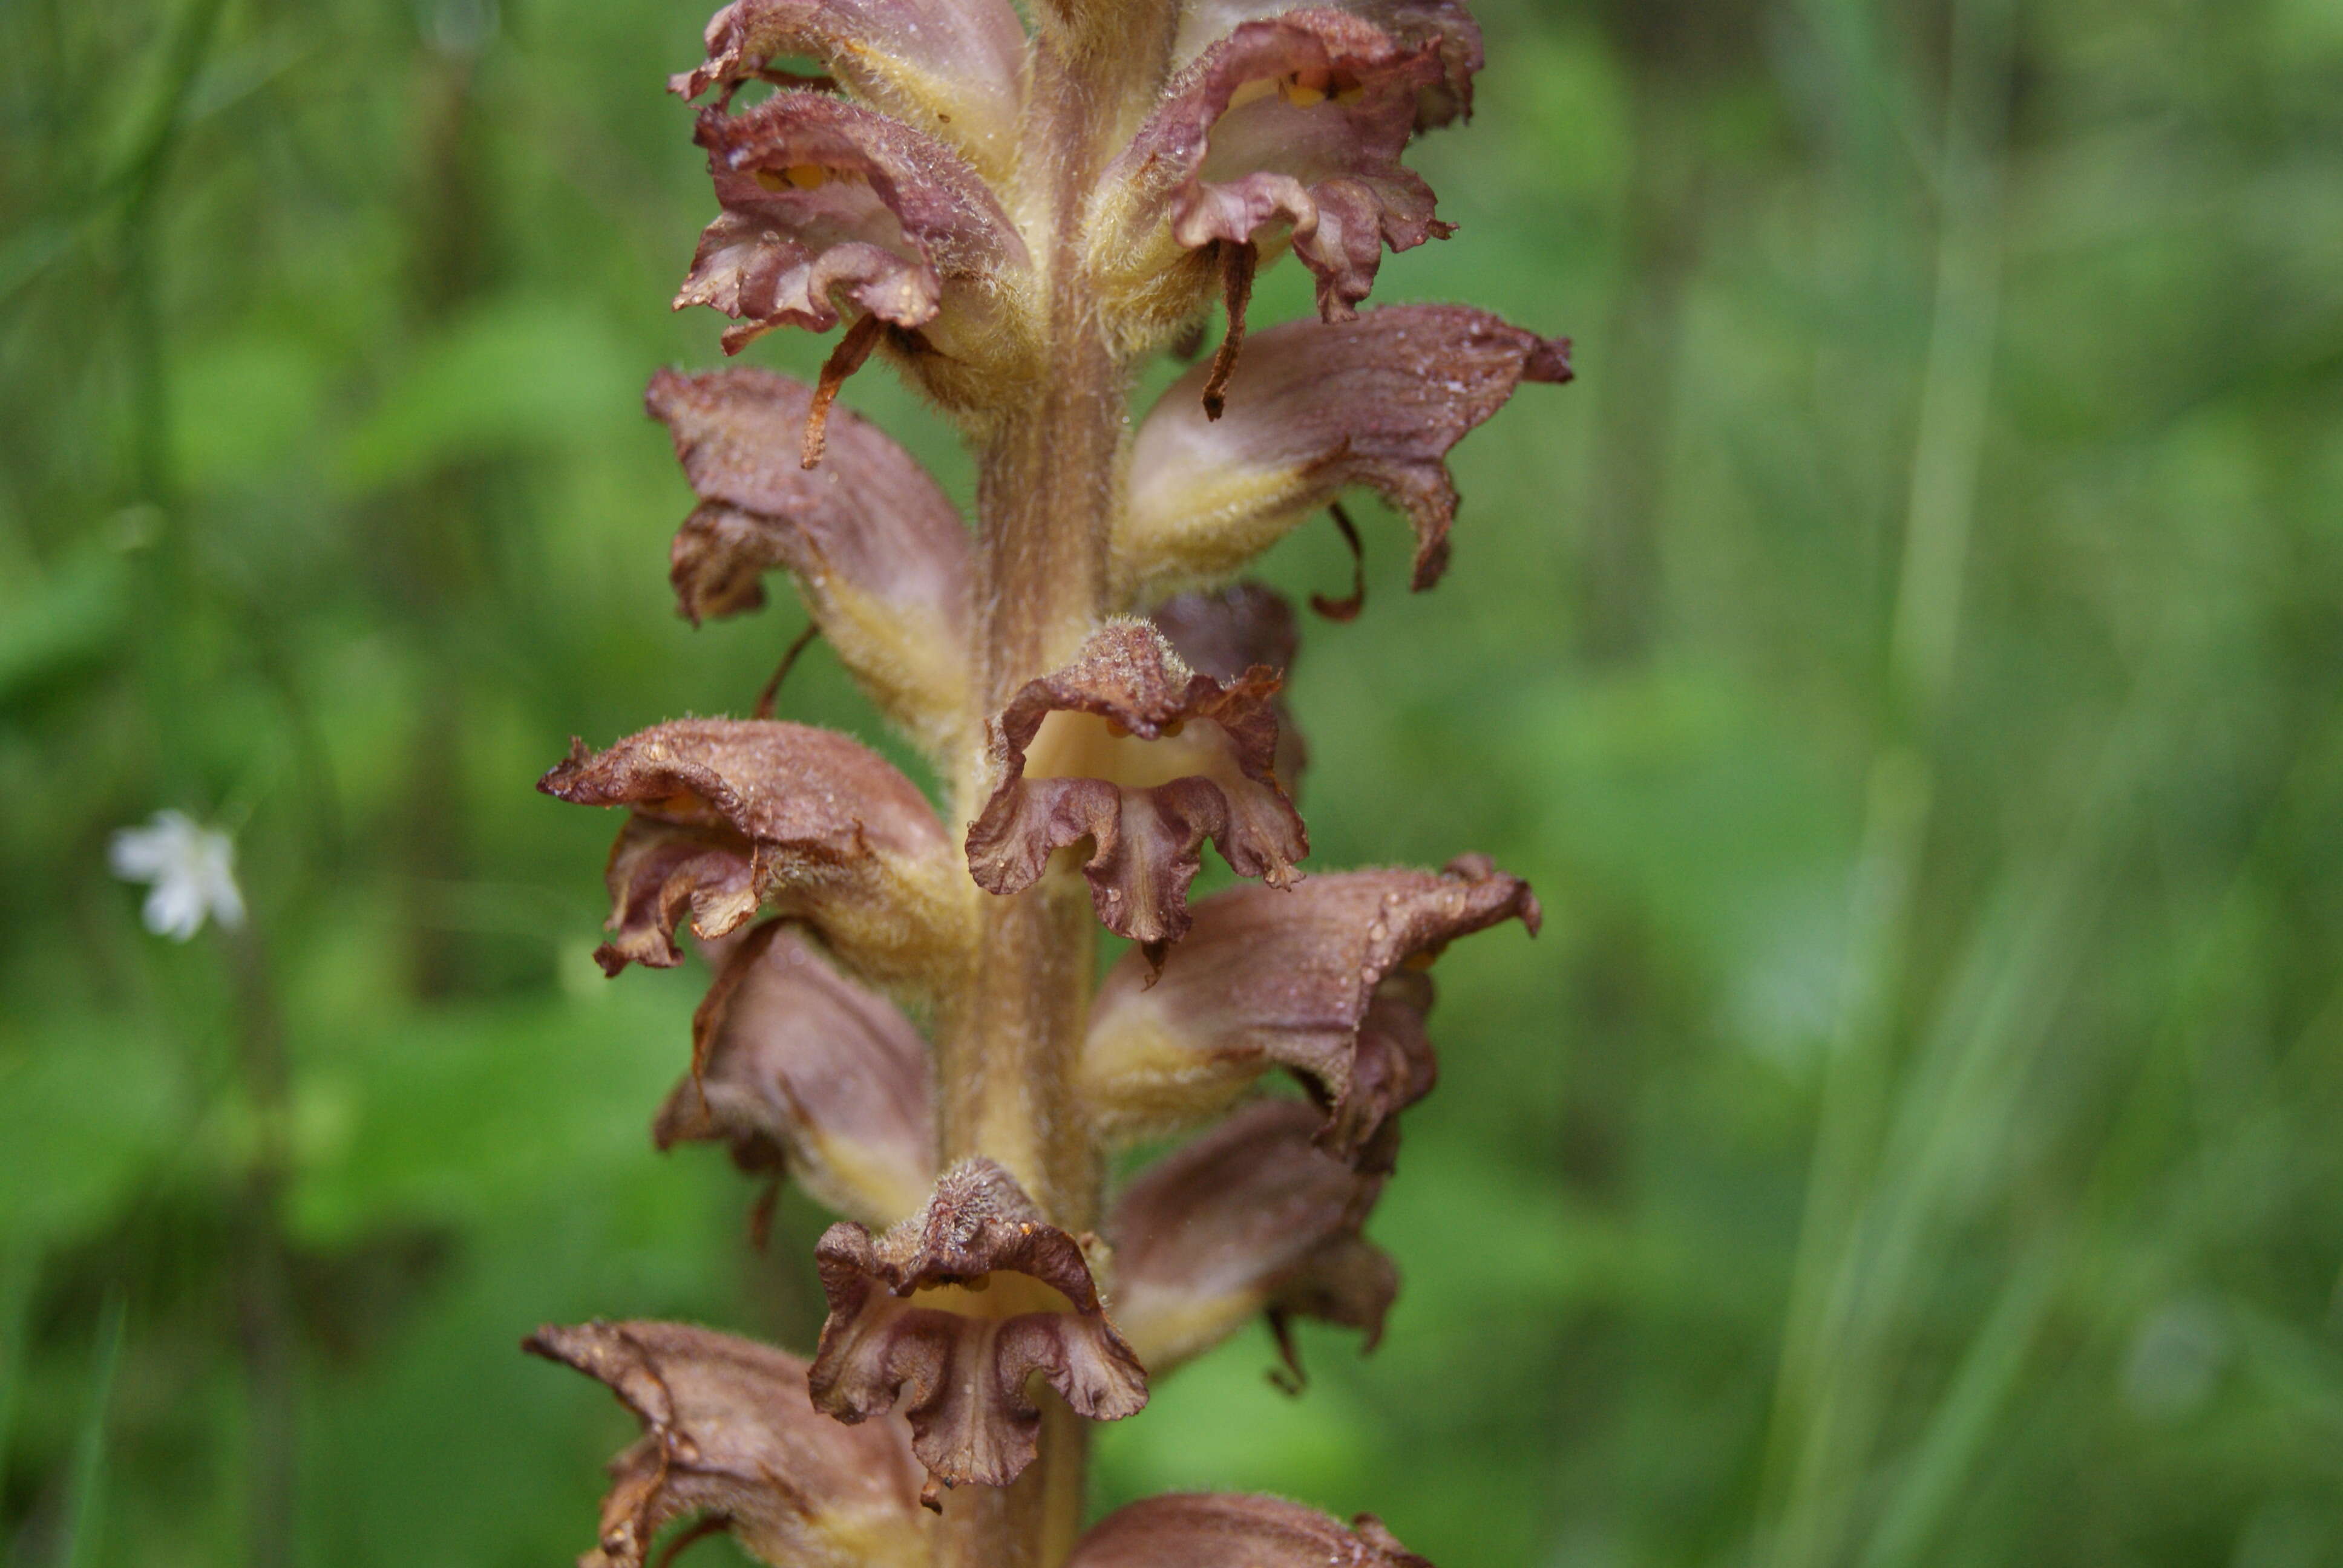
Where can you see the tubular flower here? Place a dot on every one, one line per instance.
(1017, 215)
(1249, 1217)
(796, 1067)
(1327, 982)
(1312, 410)
(876, 549)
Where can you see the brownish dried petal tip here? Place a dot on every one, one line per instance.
(1250, 1218)
(877, 549)
(730, 1435)
(796, 1067)
(951, 1311)
(827, 201)
(1326, 981)
(732, 814)
(1222, 1530)
(1130, 749)
(1312, 410)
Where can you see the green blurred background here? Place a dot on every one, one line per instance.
(1907, 664)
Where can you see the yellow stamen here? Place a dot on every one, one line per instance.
(1301, 95)
(1253, 91)
(807, 176)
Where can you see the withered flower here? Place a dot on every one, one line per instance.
(729, 1437)
(795, 1067)
(951, 1311)
(1250, 1218)
(1016, 210)
(1130, 749)
(1326, 982)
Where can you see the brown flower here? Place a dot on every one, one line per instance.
(1312, 410)
(1323, 981)
(1249, 1217)
(876, 549)
(732, 814)
(729, 1434)
(796, 1067)
(1444, 25)
(1287, 130)
(1219, 1529)
(951, 67)
(823, 198)
(1129, 748)
(951, 1311)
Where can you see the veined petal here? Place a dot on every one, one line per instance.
(796, 1067)
(951, 1311)
(1222, 1530)
(1289, 128)
(1445, 24)
(729, 1434)
(1129, 748)
(729, 815)
(877, 549)
(1312, 409)
(1325, 982)
(825, 199)
(952, 67)
(1228, 631)
(1250, 1218)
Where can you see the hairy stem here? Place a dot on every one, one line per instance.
(1007, 1040)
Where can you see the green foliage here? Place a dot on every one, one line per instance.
(1906, 665)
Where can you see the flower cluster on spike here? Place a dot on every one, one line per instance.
(1017, 213)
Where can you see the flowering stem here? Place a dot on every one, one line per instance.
(1007, 1045)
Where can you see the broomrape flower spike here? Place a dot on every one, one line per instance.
(190, 867)
(1015, 219)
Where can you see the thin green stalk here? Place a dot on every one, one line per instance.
(86, 1490)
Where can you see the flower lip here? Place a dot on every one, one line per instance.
(951, 1311)
(1146, 813)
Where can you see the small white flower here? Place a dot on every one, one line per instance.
(191, 867)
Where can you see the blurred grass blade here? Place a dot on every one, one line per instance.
(1942, 1459)
(86, 1493)
(19, 1266)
